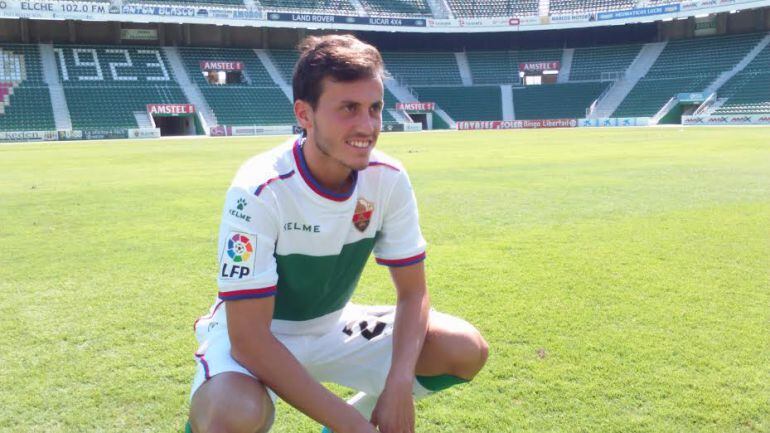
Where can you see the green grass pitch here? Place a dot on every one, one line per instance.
(620, 276)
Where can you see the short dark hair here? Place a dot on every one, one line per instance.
(340, 57)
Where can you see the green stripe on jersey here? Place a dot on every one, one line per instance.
(312, 286)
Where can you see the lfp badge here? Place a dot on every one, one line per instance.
(238, 255)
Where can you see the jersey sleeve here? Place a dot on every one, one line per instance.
(400, 241)
(247, 236)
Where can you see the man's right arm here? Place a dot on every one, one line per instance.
(255, 347)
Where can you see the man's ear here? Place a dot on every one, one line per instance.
(303, 112)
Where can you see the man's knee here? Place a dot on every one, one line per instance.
(464, 348)
(231, 403)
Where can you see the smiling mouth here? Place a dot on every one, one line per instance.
(359, 143)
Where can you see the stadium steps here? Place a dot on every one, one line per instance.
(274, 73)
(143, 120)
(565, 67)
(506, 91)
(190, 89)
(727, 75)
(61, 113)
(618, 92)
(465, 69)
(440, 9)
(358, 7)
(404, 93)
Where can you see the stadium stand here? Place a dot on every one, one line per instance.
(493, 8)
(419, 69)
(26, 102)
(465, 103)
(397, 7)
(684, 66)
(748, 92)
(556, 101)
(256, 101)
(502, 67)
(105, 85)
(583, 6)
(592, 63)
(329, 6)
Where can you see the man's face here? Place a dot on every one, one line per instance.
(346, 121)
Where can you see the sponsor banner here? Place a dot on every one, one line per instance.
(639, 12)
(55, 9)
(144, 133)
(392, 127)
(139, 34)
(205, 14)
(741, 119)
(345, 19)
(215, 65)
(613, 122)
(170, 109)
(218, 131)
(539, 66)
(412, 127)
(29, 135)
(67, 135)
(416, 106)
(570, 18)
(222, 130)
(516, 124)
(105, 133)
(691, 97)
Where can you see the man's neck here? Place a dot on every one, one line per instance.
(329, 173)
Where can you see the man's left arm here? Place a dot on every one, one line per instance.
(394, 412)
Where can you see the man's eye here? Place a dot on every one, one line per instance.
(349, 108)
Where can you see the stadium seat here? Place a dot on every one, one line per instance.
(556, 101)
(596, 63)
(423, 68)
(748, 92)
(26, 103)
(493, 8)
(104, 91)
(465, 103)
(502, 67)
(397, 7)
(684, 66)
(583, 6)
(256, 101)
(328, 6)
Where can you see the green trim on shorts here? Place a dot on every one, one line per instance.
(440, 383)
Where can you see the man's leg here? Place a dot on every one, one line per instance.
(453, 348)
(231, 402)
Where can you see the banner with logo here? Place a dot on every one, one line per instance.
(139, 34)
(694, 97)
(516, 124)
(66, 135)
(224, 130)
(216, 65)
(610, 122)
(105, 133)
(740, 119)
(539, 66)
(170, 109)
(29, 135)
(345, 19)
(639, 12)
(144, 133)
(416, 106)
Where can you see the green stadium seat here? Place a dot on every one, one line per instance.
(26, 105)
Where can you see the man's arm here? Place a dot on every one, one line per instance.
(394, 412)
(255, 347)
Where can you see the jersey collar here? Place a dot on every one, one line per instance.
(316, 186)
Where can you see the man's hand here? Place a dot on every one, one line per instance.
(394, 412)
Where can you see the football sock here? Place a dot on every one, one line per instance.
(187, 427)
(439, 383)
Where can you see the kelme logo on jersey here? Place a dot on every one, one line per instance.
(238, 255)
(238, 211)
(363, 214)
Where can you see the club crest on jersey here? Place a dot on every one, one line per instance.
(363, 214)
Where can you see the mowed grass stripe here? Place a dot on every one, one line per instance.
(619, 275)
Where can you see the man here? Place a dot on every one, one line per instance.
(298, 226)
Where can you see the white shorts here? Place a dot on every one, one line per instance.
(355, 351)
